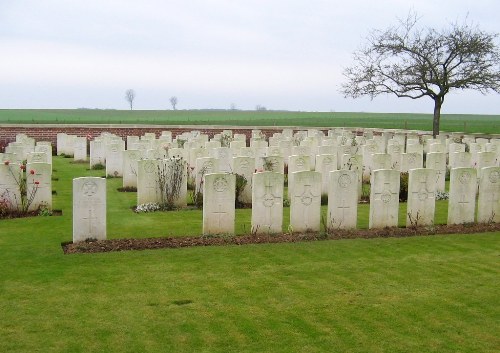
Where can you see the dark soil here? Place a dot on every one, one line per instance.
(19, 214)
(127, 189)
(181, 242)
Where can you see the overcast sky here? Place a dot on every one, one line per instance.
(281, 54)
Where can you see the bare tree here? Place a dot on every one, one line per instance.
(413, 62)
(173, 101)
(129, 97)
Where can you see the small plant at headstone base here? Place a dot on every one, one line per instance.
(170, 177)
(327, 230)
(267, 165)
(197, 194)
(225, 140)
(147, 207)
(414, 220)
(297, 139)
(403, 186)
(241, 182)
(5, 206)
(491, 218)
(98, 166)
(442, 195)
(44, 211)
(196, 198)
(180, 142)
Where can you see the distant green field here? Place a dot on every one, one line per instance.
(451, 122)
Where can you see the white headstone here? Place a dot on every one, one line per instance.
(205, 165)
(267, 203)
(39, 185)
(411, 161)
(354, 162)
(305, 205)
(80, 148)
(172, 182)
(47, 149)
(37, 157)
(89, 209)
(225, 157)
(97, 153)
(325, 163)
(462, 200)
(148, 190)
(10, 177)
(130, 160)
(245, 166)
(437, 161)
(342, 199)
(489, 196)
(218, 203)
(114, 159)
(296, 164)
(460, 160)
(421, 197)
(384, 198)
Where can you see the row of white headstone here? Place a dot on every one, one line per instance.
(379, 152)
(89, 201)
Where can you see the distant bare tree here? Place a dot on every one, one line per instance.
(233, 106)
(129, 97)
(259, 107)
(173, 101)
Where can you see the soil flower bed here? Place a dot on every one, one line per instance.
(189, 241)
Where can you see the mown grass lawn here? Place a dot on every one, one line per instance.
(420, 294)
(469, 123)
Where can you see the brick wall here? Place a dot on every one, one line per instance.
(8, 132)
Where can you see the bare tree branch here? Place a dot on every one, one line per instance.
(413, 62)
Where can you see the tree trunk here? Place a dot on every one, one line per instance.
(438, 102)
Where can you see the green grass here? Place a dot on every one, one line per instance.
(449, 122)
(420, 294)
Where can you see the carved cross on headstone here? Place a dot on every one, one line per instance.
(269, 198)
(219, 213)
(463, 201)
(423, 194)
(90, 218)
(343, 207)
(386, 195)
(307, 196)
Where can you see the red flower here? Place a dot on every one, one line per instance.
(6, 162)
(32, 172)
(37, 182)
(23, 167)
